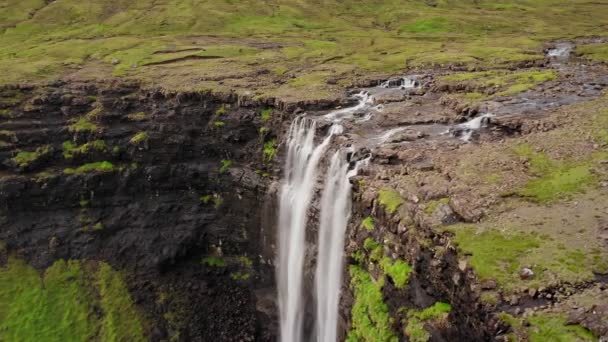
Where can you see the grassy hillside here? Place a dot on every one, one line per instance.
(276, 47)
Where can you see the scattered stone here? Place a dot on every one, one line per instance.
(526, 273)
(489, 284)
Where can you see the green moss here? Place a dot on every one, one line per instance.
(214, 261)
(82, 125)
(217, 201)
(62, 305)
(555, 179)
(553, 328)
(416, 318)
(597, 52)
(495, 255)
(390, 199)
(225, 165)
(70, 149)
(368, 223)
(8, 135)
(270, 151)
(245, 261)
(104, 166)
(370, 317)
(508, 82)
(219, 124)
(432, 205)
(139, 138)
(373, 248)
(206, 198)
(358, 256)
(399, 271)
(558, 183)
(94, 114)
(240, 276)
(266, 114)
(221, 110)
(431, 25)
(139, 116)
(25, 158)
(122, 321)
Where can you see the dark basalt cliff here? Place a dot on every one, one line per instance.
(169, 182)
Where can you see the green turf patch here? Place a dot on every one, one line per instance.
(70, 149)
(554, 179)
(370, 317)
(390, 199)
(368, 223)
(416, 319)
(103, 166)
(63, 304)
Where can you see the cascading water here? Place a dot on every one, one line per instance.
(297, 191)
(335, 213)
(295, 198)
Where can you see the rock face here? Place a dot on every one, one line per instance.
(159, 185)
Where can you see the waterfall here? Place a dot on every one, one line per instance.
(296, 195)
(335, 213)
(298, 187)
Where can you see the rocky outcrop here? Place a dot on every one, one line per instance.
(166, 186)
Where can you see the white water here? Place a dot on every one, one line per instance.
(335, 213)
(465, 130)
(365, 102)
(295, 198)
(301, 170)
(402, 83)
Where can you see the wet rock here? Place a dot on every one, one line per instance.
(594, 319)
(466, 208)
(408, 135)
(489, 284)
(526, 273)
(444, 214)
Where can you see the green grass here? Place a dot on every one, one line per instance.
(508, 82)
(240, 276)
(266, 114)
(221, 110)
(83, 124)
(139, 138)
(225, 165)
(415, 330)
(122, 320)
(138, 116)
(63, 304)
(390, 199)
(554, 179)
(596, 52)
(370, 317)
(103, 166)
(25, 158)
(399, 271)
(368, 223)
(547, 327)
(500, 254)
(70, 149)
(269, 151)
(495, 255)
(327, 39)
(214, 261)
